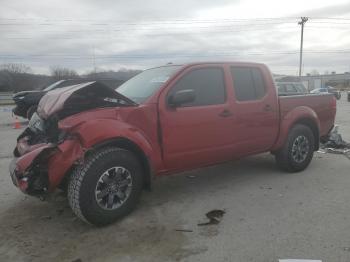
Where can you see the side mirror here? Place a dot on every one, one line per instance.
(181, 97)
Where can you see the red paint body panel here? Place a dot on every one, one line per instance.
(175, 139)
(67, 154)
(26, 160)
(137, 124)
(319, 108)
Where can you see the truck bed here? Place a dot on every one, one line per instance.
(322, 104)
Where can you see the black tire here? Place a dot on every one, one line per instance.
(85, 178)
(290, 161)
(31, 111)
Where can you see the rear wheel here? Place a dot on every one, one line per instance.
(106, 187)
(298, 149)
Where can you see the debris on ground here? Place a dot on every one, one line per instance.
(299, 260)
(335, 144)
(16, 226)
(184, 230)
(59, 211)
(214, 216)
(265, 187)
(46, 217)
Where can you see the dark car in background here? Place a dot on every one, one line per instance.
(329, 90)
(291, 88)
(27, 101)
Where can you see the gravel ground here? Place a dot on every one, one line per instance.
(270, 215)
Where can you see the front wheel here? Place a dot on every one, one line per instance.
(298, 149)
(106, 187)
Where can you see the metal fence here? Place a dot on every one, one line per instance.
(6, 98)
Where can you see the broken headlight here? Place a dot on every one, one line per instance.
(36, 124)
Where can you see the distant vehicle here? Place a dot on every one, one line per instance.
(291, 88)
(319, 90)
(334, 91)
(104, 146)
(327, 89)
(27, 101)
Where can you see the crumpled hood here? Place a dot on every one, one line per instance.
(77, 98)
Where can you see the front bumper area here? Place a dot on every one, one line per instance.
(28, 171)
(40, 168)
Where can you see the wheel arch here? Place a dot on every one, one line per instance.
(314, 128)
(300, 115)
(127, 144)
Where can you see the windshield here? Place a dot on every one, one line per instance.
(142, 86)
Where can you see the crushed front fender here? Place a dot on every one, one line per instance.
(42, 169)
(25, 170)
(69, 153)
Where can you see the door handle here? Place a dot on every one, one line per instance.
(225, 113)
(267, 108)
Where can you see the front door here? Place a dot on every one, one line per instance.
(197, 133)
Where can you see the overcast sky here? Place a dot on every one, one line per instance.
(84, 34)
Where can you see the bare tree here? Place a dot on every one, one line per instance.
(14, 76)
(59, 73)
(16, 68)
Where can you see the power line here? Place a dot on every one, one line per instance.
(123, 22)
(108, 35)
(104, 22)
(128, 22)
(137, 56)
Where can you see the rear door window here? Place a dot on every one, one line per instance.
(248, 83)
(281, 88)
(300, 88)
(290, 88)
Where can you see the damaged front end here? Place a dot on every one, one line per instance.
(45, 153)
(42, 157)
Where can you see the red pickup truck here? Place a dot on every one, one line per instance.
(104, 146)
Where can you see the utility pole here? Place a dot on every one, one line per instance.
(302, 22)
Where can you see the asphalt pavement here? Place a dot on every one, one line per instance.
(269, 215)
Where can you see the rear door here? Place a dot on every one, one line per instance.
(197, 133)
(256, 109)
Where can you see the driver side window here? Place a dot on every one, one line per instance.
(207, 83)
